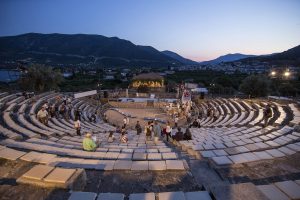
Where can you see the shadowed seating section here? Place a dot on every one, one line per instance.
(236, 138)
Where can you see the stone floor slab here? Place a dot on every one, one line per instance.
(275, 153)
(220, 152)
(175, 165)
(252, 147)
(207, 154)
(243, 191)
(250, 157)
(123, 165)
(110, 196)
(11, 154)
(83, 196)
(112, 155)
(157, 165)
(142, 196)
(201, 195)
(169, 156)
(139, 156)
(272, 192)
(38, 172)
(222, 160)
(263, 155)
(140, 165)
(125, 156)
(60, 175)
(171, 196)
(42, 158)
(286, 151)
(106, 165)
(237, 159)
(154, 156)
(290, 188)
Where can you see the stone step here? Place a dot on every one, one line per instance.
(11, 154)
(177, 195)
(290, 188)
(46, 176)
(272, 192)
(83, 196)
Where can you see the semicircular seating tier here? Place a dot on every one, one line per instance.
(56, 144)
(238, 136)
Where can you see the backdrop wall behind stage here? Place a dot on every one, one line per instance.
(84, 94)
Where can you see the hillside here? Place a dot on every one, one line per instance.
(227, 58)
(288, 57)
(80, 48)
(179, 58)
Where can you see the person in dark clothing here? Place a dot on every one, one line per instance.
(148, 131)
(179, 135)
(187, 135)
(77, 114)
(195, 123)
(267, 115)
(138, 128)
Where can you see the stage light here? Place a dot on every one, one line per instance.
(287, 74)
(273, 73)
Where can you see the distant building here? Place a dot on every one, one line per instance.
(150, 80)
(109, 77)
(190, 85)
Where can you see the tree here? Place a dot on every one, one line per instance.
(40, 78)
(255, 86)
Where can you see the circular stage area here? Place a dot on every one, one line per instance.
(116, 116)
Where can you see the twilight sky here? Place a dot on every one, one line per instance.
(196, 29)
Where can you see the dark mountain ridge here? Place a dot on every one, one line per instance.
(80, 48)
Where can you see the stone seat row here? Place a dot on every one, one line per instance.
(241, 138)
(54, 160)
(213, 141)
(296, 112)
(48, 176)
(245, 157)
(179, 195)
(285, 190)
(229, 149)
(233, 113)
(114, 154)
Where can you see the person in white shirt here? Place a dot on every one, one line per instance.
(42, 116)
(125, 122)
(77, 126)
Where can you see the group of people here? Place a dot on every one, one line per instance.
(55, 110)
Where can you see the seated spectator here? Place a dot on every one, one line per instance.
(42, 116)
(88, 144)
(178, 135)
(187, 135)
(123, 138)
(195, 123)
(118, 129)
(93, 117)
(138, 128)
(111, 136)
(52, 111)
